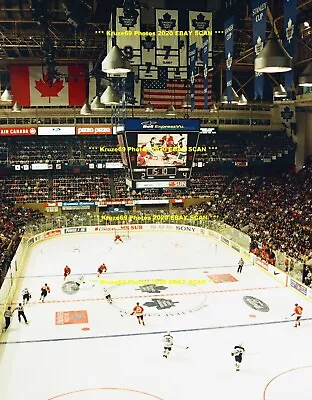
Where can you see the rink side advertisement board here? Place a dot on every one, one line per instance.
(160, 152)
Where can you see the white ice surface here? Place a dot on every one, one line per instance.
(117, 359)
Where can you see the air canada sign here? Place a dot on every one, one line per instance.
(18, 131)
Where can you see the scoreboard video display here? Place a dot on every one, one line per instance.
(160, 151)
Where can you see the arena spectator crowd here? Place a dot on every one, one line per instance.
(12, 223)
(275, 211)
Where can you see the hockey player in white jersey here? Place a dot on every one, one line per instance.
(168, 343)
(238, 352)
(26, 296)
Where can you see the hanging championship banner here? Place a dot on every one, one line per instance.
(200, 24)
(206, 74)
(290, 18)
(128, 38)
(259, 19)
(228, 53)
(178, 73)
(192, 58)
(288, 118)
(147, 69)
(167, 39)
(183, 51)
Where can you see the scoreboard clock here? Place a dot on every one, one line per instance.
(160, 152)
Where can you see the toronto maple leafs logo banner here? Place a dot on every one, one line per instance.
(259, 20)
(228, 53)
(288, 118)
(200, 24)
(32, 87)
(128, 33)
(193, 58)
(290, 18)
(148, 69)
(167, 39)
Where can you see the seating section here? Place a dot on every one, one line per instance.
(73, 150)
(35, 150)
(86, 187)
(12, 222)
(208, 185)
(275, 211)
(25, 189)
(100, 149)
(244, 147)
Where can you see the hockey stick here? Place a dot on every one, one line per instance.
(123, 313)
(181, 347)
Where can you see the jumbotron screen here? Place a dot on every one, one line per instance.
(161, 149)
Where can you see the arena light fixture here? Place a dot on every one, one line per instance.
(224, 99)
(235, 97)
(306, 78)
(273, 58)
(149, 107)
(96, 104)
(242, 100)
(186, 103)
(6, 96)
(86, 109)
(214, 108)
(171, 111)
(110, 96)
(115, 62)
(16, 107)
(279, 91)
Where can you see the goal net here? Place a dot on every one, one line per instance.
(123, 233)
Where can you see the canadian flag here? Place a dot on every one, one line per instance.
(30, 86)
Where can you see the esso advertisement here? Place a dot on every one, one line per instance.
(94, 130)
(18, 131)
(56, 130)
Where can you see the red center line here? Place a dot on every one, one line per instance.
(161, 295)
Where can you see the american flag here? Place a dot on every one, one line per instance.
(162, 92)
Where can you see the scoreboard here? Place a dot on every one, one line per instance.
(159, 152)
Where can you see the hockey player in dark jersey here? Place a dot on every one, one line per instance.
(237, 353)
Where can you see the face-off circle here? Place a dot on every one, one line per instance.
(106, 394)
(159, 300)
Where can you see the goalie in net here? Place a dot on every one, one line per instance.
(121, 234)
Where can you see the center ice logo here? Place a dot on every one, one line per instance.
(161, 304)
(152, 288)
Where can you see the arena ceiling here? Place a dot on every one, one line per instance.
(72, 30)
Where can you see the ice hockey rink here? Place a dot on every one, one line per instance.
(77, 346)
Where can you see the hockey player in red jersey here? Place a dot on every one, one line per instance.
(44, 291)
(118, 239)
(67, 271)
(138, 311)
(102, 268)
(298, 313)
